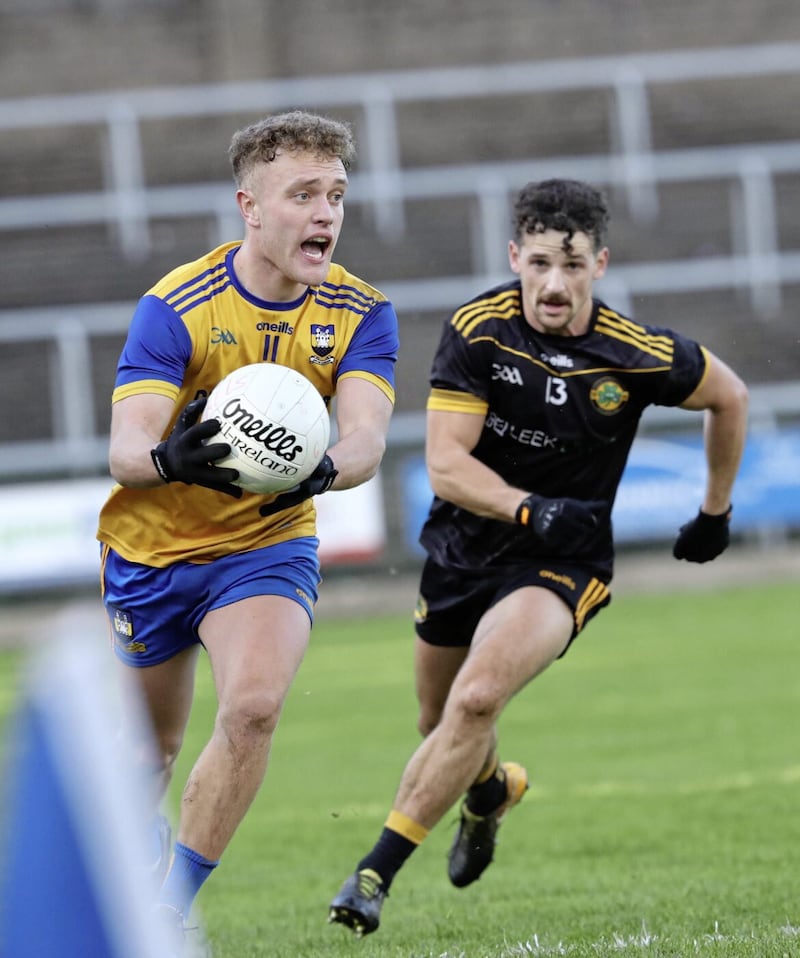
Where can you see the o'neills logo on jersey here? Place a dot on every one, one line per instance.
(560, 361)
(281, 327)
(323, 339)
(566, 580)
(608, 396)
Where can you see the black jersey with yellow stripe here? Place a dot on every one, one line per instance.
(560, 413)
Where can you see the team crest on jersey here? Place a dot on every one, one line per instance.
(608, 396)
(122, 627)
(323, 339)
(421, 610)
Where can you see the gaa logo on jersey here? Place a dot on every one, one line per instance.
(608, 396)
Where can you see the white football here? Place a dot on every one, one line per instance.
(275, 422)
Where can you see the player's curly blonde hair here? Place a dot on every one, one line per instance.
(295, 131)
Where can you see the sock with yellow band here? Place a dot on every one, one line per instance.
(400, 837)
(488, 792)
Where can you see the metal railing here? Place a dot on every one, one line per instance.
(127, 204)
(376, 96)
(77, 449)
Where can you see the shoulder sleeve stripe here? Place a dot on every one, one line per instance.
(343, 303)
(196, 284)
(142, 386)
(385, 387)
(447, 400)
(503, 306)
(626, 331)
(343, 297)
(202, 296)
(368, 295)
(629, 324)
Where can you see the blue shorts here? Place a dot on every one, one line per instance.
(156, 613)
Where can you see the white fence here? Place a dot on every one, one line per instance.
(127, 204)
(627, 79)
(126, 201)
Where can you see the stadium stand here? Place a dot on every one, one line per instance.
(105, 186)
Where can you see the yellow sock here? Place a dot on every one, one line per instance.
(407, 827)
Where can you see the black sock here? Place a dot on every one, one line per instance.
(485, 798)
(388, 856)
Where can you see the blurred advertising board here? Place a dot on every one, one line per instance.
(47, 531)
(663, 487)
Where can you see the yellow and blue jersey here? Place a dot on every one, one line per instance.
(189, 331)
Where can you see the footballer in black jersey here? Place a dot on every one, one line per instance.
(537, 389)
(559, 416)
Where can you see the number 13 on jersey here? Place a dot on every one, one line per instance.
(555, 391)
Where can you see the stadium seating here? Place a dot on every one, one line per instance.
(105, 190)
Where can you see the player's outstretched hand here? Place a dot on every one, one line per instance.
(184, 457)
(320, 480)
(704, 537)
(561, 522)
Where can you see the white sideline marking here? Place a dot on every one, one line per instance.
(622, 943)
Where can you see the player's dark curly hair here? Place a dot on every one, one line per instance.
(568, 206)
(292, 131)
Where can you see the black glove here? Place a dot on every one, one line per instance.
(183, 456)
(320, 480)
(564, 523)
(704, 538)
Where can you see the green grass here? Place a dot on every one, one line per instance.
(663, 817)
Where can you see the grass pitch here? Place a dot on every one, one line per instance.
(662, 818)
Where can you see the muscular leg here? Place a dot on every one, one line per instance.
(459, 706)
(515, 641)
(255, 647)
(435, 669)
(165, 693)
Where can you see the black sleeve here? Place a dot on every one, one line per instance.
(457, 364)
(689, 364)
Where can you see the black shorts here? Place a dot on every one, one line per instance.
(451, 602)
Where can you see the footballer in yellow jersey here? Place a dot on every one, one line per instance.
(189, 559)
(537, 389)
(188, 332)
